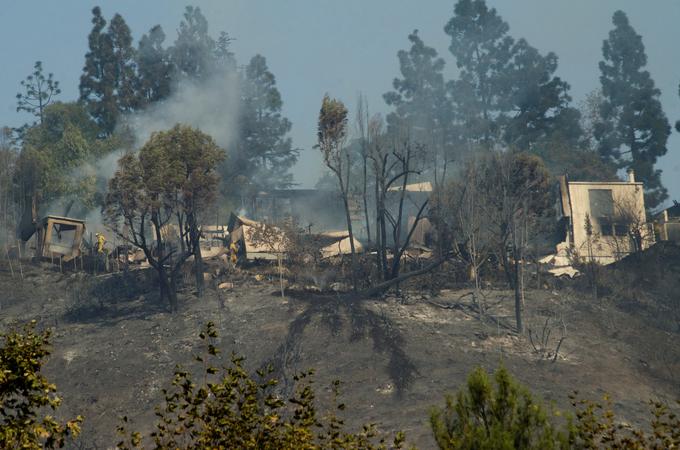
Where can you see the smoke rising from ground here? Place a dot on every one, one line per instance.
(211, 106)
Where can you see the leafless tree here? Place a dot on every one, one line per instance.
(362, 122)
(274, 239)
(516, 193)
(332, 137)
(392, 159)
(631, 233)
(464, 212)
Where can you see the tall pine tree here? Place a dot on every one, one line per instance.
(634, 129)
(154, 69)
(507, 92)
(265, 151)
(539, 102)
(483, 51)
(107, 85)
(193, 54)
(420, 98)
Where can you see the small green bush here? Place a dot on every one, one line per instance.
(25, 394)
(504, 416)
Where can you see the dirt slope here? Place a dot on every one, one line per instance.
(397, 357)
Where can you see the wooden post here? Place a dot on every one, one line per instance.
(9, 260)
(281, 274)
(115, 243)
(21, 268)
(61, 268)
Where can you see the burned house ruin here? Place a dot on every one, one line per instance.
(604, 220)
(59, 237)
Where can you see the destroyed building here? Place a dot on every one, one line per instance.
(313, 209)
(56, 236)
(603, 221)
(257, 240)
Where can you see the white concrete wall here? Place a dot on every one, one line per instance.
(628, 197)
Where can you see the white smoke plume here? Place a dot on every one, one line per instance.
(211, 106)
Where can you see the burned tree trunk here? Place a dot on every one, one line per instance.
(194, 234)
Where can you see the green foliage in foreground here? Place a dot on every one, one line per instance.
(504, 415)
(231, 409)
(26, 395)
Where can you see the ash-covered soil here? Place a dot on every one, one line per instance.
(115, 347)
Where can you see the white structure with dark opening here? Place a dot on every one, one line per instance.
(604, 221)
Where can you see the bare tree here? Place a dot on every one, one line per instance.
(463, 211)
(516, 193)
(8, 159)
(630, 230)
(362, 121)
(592, 266)
(392, 160)
(332, 137)
(274, 239)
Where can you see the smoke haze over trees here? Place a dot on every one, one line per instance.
(492, 90)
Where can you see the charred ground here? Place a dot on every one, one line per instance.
(115, 345)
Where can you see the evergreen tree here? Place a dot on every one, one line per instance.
(108, 79)
(123, 64)
(507, 93)
(193, 54)
(539, 101)
(634, 129)
(50, 154)
(38, 92)
(419, 98)
(483, 51)
(95, 86)
(422, 106)
(265, 150)
(154, 69)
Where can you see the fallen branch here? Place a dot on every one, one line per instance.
(382, 287)
(449, 306)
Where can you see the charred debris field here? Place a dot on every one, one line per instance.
(395, 355)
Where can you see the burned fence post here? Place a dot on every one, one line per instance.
(21, 269)
(9, 260)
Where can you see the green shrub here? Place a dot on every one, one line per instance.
(595, 426)
(504, 415)
(232, 409)
(25, 394)
(500, 416)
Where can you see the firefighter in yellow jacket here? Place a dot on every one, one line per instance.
(233, 250)
(101, 240)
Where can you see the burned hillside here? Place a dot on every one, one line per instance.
(361, 263)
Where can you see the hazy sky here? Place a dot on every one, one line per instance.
(342, 47)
